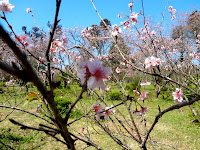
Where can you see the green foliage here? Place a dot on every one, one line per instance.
(75, 114)
(1, 90)
(132, 86)
(115, 95)
(30, 85)
(9, 140)
(63, 106)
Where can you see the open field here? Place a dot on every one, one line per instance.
(173, 129)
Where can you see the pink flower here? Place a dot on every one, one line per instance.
(107, 112)
(56, 60)
(173, 17)
(147, 24)
(118, 70)
(5, 6)
(143, 110)
(152, 62)
(82, 130)
(153, 33)
(119, 16)
(143, 95)
(115, 111)
(84, 32)
(98, 109)
(28, 10)
(10, 82)
(26, 44)
(116, 30)
(145, 83)
(170, 8)
(95, 73)
(177, 95)
(122, 63)
(173, 11)
(130, 5)
(133, 18)
(136, 92)
(136, 112)
(198, 35)
(78, 58)
(108, 88)
(126, 24)
(42, 59)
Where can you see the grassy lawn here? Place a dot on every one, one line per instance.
(174, 128)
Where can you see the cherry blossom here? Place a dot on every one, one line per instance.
(10, 82)
(143, 110)
(95, 73)
(107, 112)
(133, 18)
(143, 95)
(108, 88)
(136, 92)
(145, 83)
(173, 17)
(118, 70)
(82, 130)
(126, 25)
(116, 30)
(198, 35)
(173, 11)
(152, 62)
(98, 110)
(56, 60)
(130, 5)
(170, 8)
(119, 16)
(177, 95)
(115, 111)
(28, 10)
(42, 59)
(136, 112)
(5, 6)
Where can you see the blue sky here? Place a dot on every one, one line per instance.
(81, 12)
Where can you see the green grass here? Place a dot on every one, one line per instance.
(173, 127)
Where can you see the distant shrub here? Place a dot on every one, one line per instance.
(115, 95)
(63, 106)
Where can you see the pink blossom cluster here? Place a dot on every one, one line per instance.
(10, 82)
(126, 25)
(172, 12)
(133, 17)
(146, 31)
(118, 70)
(100, 112)
(116, 30)
(22, 39)
(95, 73)
(5, 6)
(143, 95)
(141, 112)
(152, 62)
(177, 95)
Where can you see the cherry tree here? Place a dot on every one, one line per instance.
(70, 52)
